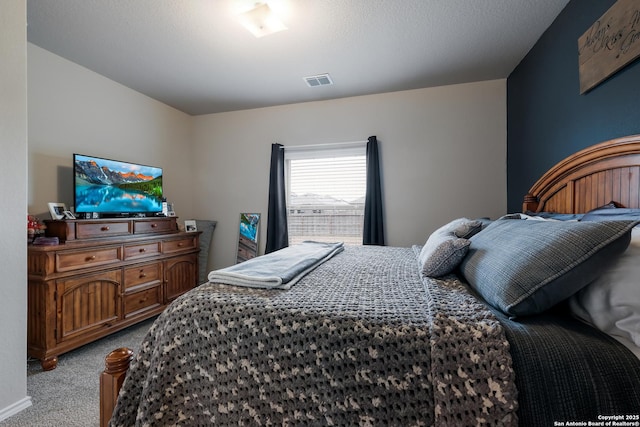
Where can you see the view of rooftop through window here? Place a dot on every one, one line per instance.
(326, 198)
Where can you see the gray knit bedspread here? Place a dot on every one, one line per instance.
(362, 340)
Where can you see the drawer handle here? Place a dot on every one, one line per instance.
(180, 244)
(154, 225)
(142, 274)
(142, 250)
(105, 228)
(90, 258)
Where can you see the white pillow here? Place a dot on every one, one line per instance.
(612, 302)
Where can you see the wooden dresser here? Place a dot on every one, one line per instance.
(105, 275)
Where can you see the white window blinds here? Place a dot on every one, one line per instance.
(325, 192)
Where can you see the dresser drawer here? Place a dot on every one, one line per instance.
(153, 226)
(179, 245)
(76, 260)
(141, 250)
(140, 302)
(92, 230)
(142, 274)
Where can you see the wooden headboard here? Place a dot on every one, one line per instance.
(592, 177)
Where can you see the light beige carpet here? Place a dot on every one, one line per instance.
(69, 395)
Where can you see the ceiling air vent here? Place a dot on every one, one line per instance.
(319, 80)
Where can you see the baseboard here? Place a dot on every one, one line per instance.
(13, 409)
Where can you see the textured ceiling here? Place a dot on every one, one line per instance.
(195, 56)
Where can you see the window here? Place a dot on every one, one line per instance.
(325, 193)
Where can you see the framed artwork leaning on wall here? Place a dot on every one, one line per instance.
(248, 232)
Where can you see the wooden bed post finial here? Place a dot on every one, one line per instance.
(116, 365)
(530, 203)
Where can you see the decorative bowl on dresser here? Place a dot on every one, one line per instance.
(105, 275)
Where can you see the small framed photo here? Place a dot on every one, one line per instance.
(68, 215)
(57, 210)
(190, 225)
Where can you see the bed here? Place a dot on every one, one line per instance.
(413, 336)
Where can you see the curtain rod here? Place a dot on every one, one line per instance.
(327, 145)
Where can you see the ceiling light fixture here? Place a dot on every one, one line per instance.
(261, 20)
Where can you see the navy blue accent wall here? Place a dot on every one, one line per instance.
(547, 118)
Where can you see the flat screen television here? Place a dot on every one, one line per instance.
(115, 188)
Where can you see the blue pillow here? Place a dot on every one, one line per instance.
(612, 214)
(558, 216)
(525, 267)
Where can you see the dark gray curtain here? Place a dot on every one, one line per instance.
(277, 234)
(373, 233)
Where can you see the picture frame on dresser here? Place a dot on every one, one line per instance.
(57, 210)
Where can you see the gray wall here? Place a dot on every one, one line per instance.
(442, 156)
(13, 192)
(74, 110)
(442, 148)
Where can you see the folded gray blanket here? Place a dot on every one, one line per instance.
(277, 270)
